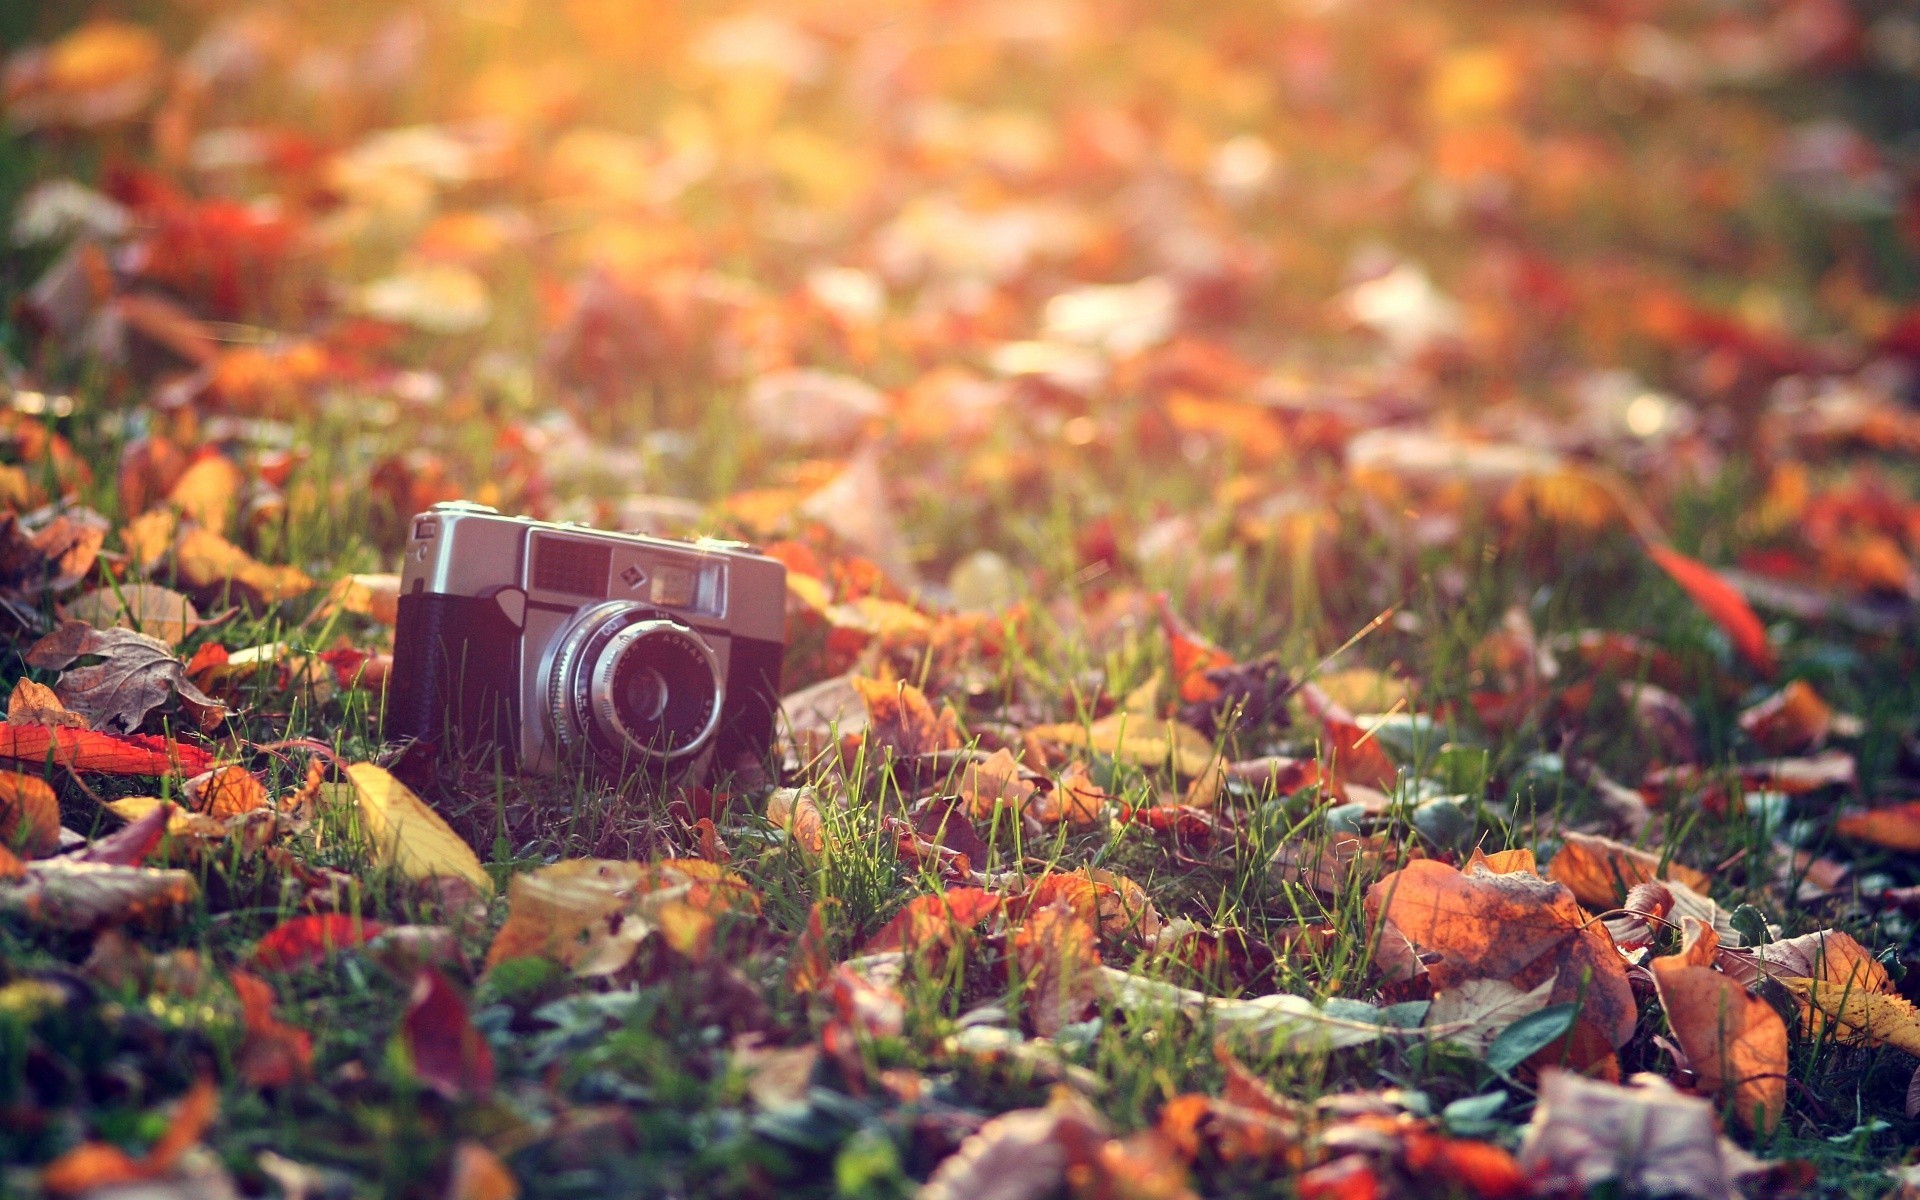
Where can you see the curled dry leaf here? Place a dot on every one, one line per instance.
(374, 596)
(1735, 1042)
(136, 675)
(407, 835)
(148, 608)
(179, 822)
(1476, 1011)
(478, 1174)
(29, 814)
(1600, 871)
(1000, 780)
(1517, 927)
(590, 915)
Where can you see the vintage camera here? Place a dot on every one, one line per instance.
(555, 644)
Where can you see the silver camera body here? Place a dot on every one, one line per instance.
(555, 643)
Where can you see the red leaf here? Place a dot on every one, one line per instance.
(112, 754)
(1193, 656)
(934, 920)
(309, 941)
(449, 1055)
(1720, 601)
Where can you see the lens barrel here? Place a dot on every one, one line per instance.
(633, 685)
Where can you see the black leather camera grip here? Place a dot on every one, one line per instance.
(454, 674)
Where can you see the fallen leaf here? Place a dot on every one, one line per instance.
(1019, 1155)
(1142, 741)
(208, 492)
(590, 915)
(1879, 1019)
(63, 893)
(1476, 1011)
(226, 792)
(932, 925)
(1516, 927)
(209, 562)
(307, 941)
(1721, 601)
(36, 704)
(138, 674)
(1282, 1021)
(29, 814)
(407, 835)
(1057, 953)
(274, 1053)
(1193, 656)
(478, 1174)
(1894, 826)
(95, 1166)
(1074, 798)
(178, 821)
(373, 596)
(795, 810)
(900, 720)
(149, 608)
(1649, 1138)
(1600, 871)
(1792, 720)
(999, 780)
(447, 1053)
(1734, 1041)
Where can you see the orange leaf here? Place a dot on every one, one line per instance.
(308, 941)
(1720, 601)
(29, 814)
(1897, 827)
(1735, 1042)
(1193, 656)
(112, 754)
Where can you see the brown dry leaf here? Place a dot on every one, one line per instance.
(407, 835)
(29, 814)
(1019, 1155)
(1074, 798)
(796, 811)
(1516, 927)
(1600, 871)
(52, 558)
(208, 492)
(148, 537)
(1791, 721)
(590, 915)
(37, 704)
(1827, 955)
(179, 822)
(375, 596)
(63, 893)
(1875, 1018)
(899, 719)
(1477, 1011)
(1646, 904)
(1503, 862)
(1735, 1042)
(446, 1052)
(209, 562)
(478, 1174)
(1895, 826)
(226, 792)
(1059, 956)
(1000, 780)
(1650, 1138)
(153, 610)
(137, 675)
(100, 1165)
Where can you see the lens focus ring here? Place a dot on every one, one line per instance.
(632, 683)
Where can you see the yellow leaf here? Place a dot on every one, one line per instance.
(376, 596)
(1142, 741)
(408, 835)
(1881, 1020)
(29, 814)
(207, 560)
(209, 492)
(180, 822)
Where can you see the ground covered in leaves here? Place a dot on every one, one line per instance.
(1350, 602)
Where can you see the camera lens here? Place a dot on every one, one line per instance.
(633, 684)
(659, 690)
